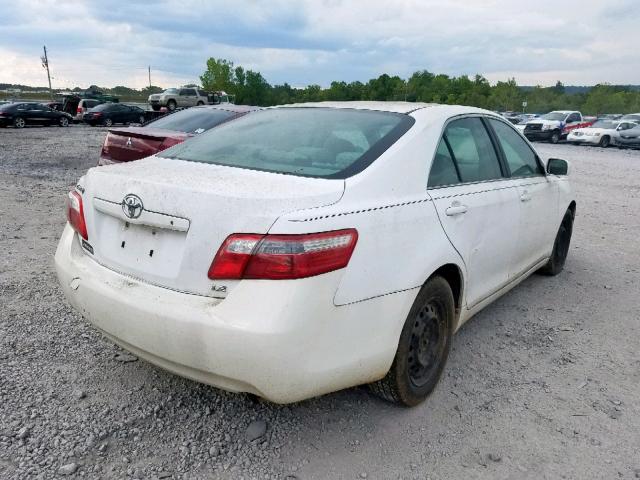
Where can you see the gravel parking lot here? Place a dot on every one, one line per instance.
(545, 383)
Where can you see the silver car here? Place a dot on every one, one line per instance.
(173, 98)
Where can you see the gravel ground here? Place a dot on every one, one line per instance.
(543, 384)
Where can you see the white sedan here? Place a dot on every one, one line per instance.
(305, 249)
(602, 133)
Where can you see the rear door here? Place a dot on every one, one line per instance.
(187, 97)
(477, 205)
(537, 195)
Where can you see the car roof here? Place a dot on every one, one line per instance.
(431, 110)
(395, 107)
(231, 107)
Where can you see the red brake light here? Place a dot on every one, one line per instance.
(79, 110)
(279, 257)
(75, 214)
(169, 142)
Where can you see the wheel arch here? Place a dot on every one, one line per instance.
(453, 275)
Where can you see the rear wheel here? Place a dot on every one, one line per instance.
(19, 122)
(156, 108)
(107, 122)
(560, 247)
(605, 141)
(171, 105)
(555, 137)
(141, 119)
(63, 122)
(423, 348)
(200, 103)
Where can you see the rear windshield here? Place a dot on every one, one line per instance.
(102, 107)
(194, 120)
(311, 142)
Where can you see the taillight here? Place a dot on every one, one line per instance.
(170, 142)
(279, 257)
(75, 214)
(79, 110)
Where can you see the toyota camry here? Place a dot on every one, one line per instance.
(309, 248)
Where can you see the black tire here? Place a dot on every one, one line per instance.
(63, 122)
(605, 141)
(423, 348)
(200, 103)
(19, 122)
(171, 105)
(555, 137)
(141, 120)
(560, 247)
(107, 122)
(156, 108)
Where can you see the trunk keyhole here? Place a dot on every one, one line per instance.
(151, 253)
(122, 244)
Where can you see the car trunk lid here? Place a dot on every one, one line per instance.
(134, 143)
(163, 220)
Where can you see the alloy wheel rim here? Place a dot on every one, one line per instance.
(426, 344)
(20, 123)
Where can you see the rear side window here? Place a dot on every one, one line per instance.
(520, 158)
(193, 120)
(443, 169)
(312, 142)
(472, 150)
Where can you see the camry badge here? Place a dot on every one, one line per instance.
(132, 206)
(128, 144)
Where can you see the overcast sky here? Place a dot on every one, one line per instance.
(112, 42)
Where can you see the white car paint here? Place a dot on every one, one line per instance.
(594, 134)
(288, 340)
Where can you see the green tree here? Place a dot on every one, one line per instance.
(218, 76)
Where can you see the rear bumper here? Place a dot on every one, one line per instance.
(282, 340)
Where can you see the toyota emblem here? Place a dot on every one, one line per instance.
(132, 206)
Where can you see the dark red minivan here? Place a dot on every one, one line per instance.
(134, 143)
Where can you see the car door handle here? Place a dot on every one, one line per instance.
(454, 210)
(525, 197)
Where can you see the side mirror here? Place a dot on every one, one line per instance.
(557, 166)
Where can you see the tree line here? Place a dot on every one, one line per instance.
(251, 88)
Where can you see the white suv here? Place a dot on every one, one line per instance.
(304, 249)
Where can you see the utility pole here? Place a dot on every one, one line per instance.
(149, 78)
(45, 64)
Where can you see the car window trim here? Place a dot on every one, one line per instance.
(443, 134)
(503, 156)
(453, 157)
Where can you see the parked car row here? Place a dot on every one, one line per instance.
(603, 133)
(133, 143)
(247, 251)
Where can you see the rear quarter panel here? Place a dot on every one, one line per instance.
(400, 244)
